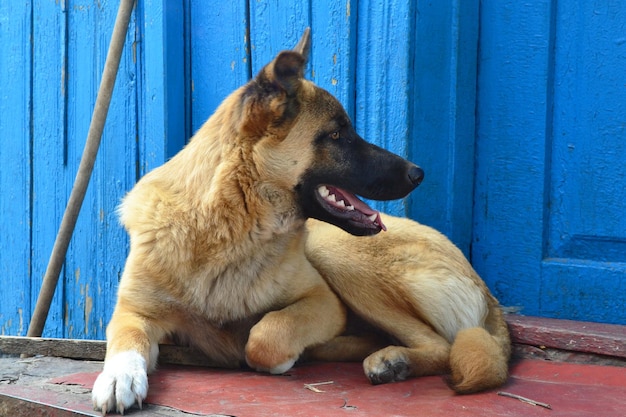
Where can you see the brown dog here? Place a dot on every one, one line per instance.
(217, 234)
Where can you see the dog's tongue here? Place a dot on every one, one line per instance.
(359, 206)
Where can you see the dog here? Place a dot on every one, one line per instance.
(221, 257)
(217, 234)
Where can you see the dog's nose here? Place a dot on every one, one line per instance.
(416, 175)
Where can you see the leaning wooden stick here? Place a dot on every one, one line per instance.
(524, 399)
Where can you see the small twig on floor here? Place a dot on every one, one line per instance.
(312, 386)
(524, 399)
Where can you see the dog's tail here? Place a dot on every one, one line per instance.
(479, 357)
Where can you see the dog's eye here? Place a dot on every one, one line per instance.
(334, 135)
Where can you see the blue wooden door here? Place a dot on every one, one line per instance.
(516, 111)
(550, 197)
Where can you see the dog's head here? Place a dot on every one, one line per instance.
(308, 145)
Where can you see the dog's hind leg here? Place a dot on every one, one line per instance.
(280, 337)
(346, 348)
(423, 351)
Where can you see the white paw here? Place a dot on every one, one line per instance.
(283, 367)
(122, 383)
(276, 370)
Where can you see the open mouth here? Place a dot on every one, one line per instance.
(343, 204)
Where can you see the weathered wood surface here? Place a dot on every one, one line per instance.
(603, 339)
(564, 335)
(92, 350)
(65, 348)
(54, 383)
(26, 390)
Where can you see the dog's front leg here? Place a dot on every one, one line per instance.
(279, 338)
(132, 349)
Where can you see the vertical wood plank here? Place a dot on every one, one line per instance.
(115, 175)
(589, 134)
(15, 165)
(584, 261)
(220, 55)
(333, 49)
(443, 120)
(513, 114)
(50, 147)
(275, 26)
(162, 71)
(81, 87)
(99, 245)
(383, 66)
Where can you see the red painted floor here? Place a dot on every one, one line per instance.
(570, 390)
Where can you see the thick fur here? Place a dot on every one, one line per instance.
(417, 287)
(217, 234)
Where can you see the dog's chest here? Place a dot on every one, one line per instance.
(251, 285)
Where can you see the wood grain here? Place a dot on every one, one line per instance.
(576, 336)
(94, 350)
(565, 335)
(16, 106)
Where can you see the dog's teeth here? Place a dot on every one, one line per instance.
(323, 191)
(340, 203)
(350, 208)
(373, 217)
(331, 198)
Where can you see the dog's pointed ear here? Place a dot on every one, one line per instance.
(272, 96)
(304, 44)
(287, 69)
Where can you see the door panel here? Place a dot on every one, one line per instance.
(550, 234)
(589, 148)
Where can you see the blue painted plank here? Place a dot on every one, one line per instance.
(220, 54)
(550, 189)
(114, 174)
(583, 290)
(441, 137)
(15, 166)
(583, 273)
(589, 134)
(162, 79)
(98, 247)
(50, 148)
(77, 85)
(278, 26)
(275, 26)
(513, 109)
(383, 64)
(333, 49)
